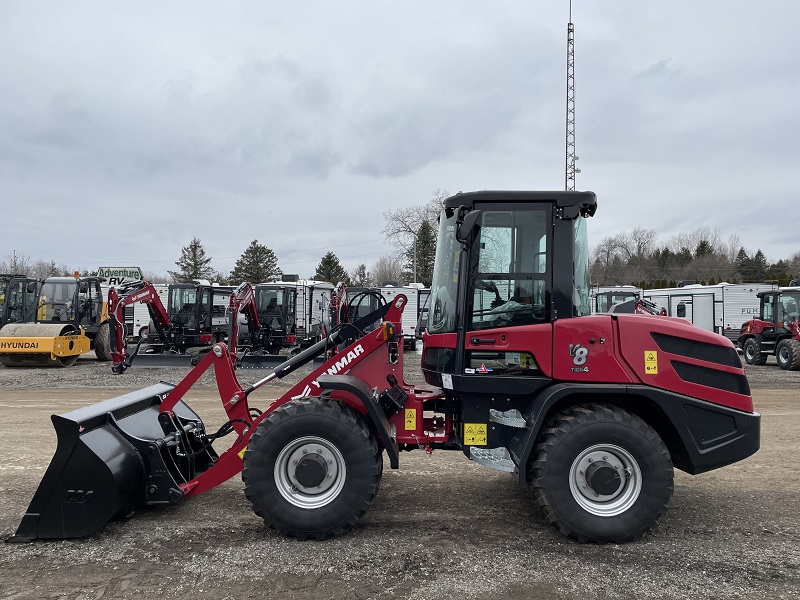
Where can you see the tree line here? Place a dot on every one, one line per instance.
(701, 256)
(628, 258)
(410, 232)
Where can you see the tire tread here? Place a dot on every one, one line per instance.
(345, 415)
(561, 425)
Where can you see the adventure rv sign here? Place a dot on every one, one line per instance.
(116, 276)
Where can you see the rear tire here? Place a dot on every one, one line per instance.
(312, 469)
(601, 474)
(752, 352)
(788, 354)
(102, 343)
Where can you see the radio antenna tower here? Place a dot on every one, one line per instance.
(571, 170)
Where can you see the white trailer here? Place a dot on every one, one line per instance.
(410, 312)
(313, 303)
(137, 317)
(604, 297)
(720, 308)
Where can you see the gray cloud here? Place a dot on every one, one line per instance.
(300, 125)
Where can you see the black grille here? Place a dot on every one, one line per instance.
(722, 380)
(722, 355)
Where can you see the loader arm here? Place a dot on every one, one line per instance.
(361, 356)
(118, 299)
(148, 448)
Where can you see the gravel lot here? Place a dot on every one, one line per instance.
(441, 527)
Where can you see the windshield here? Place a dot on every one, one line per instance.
(55, 301)
(444, 288)
(511, 269)
(182, 300)
(270, 307)
(789, 306)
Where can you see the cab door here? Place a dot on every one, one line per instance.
(509, 329)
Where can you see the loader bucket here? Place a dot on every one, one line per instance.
(114, 458)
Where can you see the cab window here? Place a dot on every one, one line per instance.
(510, 270)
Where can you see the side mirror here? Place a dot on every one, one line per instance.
(467, 226)
(680, 310)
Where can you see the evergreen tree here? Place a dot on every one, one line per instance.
(360, 277)
(330, 269)
(422, 254)
(760, 265)
(193, 263)
(740, 262)
(704, 248)
(257, 264)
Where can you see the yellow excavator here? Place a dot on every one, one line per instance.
(66, 317)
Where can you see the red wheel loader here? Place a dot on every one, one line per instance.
(592, 411)
(776, 331)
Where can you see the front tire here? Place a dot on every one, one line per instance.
(312, 469)
(752, 352)
(787, 354)
(601, 474)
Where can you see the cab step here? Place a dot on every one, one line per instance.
(512, 418)
(494, 458)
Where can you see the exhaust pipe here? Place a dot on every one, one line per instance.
(112, 459)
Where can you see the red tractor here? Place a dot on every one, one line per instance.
(592, 411)
(776, 331)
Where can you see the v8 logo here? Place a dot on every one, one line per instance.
(579, 354)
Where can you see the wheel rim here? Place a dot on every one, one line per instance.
(310, 472)
(749, 352)
(783, 355)
(605, 480)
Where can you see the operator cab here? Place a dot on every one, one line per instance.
(781, 308)
(77, 300)
(504, 260)
(17, 299)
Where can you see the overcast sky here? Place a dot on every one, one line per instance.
(127, 128)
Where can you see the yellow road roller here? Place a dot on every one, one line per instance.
(70, 319)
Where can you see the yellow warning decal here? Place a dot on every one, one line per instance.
(474, 434)
(241, 452)
(411, 419)
(650, 362)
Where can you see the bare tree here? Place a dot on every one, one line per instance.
(731, 248)
(388, 268)
(606, 262)
(16, 264)
(44, 268)
(693, 239)
(636, 245)
(153, 277)
(403, 224)
(794, 264)
(709, 268)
